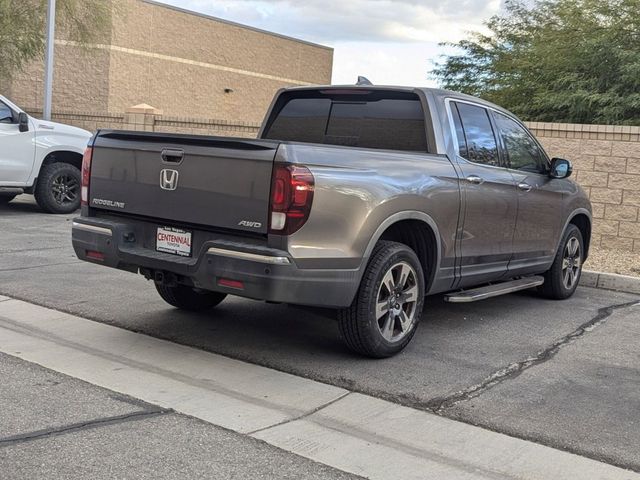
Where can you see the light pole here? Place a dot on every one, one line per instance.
(48, 59)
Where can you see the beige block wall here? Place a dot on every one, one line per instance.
(153, 123)
(207, 127)
(81, 78)
(606, 163)
(188, 90)
(81, 82)
(176, 61)
(186, 74)
(175, 33)
(81, 119)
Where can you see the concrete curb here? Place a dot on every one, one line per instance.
(610, 281)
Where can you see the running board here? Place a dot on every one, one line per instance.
(494, 290)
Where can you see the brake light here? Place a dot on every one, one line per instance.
(292, 189)
(86, 174)
(345, 91)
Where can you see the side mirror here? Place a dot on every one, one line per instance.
(560, 168)
(23, 122)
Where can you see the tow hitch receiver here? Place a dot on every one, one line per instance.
(161, 278)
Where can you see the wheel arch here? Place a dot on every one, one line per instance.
(63, 156)
(583, 222)
(419, 232)
(58, 156)
(581, 218)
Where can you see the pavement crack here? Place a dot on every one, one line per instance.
(513, 370)
(16, 269)
(36, 249)
(75, 427)
(300, 417)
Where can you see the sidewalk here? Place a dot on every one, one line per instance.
(81, 431)
(54, 426)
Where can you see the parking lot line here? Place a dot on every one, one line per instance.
(353, 432)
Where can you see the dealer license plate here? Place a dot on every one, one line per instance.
(173, 240)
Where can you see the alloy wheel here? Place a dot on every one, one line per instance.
(571, 263)
(65, 189)
(396, 302)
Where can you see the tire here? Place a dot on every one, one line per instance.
(4, 199)
(188, 298)
(562, 279)
(58, 188)
(381, 332)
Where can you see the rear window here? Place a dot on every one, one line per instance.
(384, 120)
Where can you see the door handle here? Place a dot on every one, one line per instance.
(476, 180)
(525, 187)
(172, 156)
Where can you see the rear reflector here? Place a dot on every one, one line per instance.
(226, 282)
(86, 173)
(92, 254)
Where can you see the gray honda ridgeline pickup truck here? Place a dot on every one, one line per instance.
(359, 198)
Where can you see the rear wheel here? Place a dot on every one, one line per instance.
(561, 280)
(58, 188)
(385, 313)
(189, 298)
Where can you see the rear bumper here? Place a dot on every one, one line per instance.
(266, 273)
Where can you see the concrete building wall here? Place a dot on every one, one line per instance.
(176, 61)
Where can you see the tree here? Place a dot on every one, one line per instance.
(22, 27)
(574, 61)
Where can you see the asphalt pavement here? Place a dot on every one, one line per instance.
(565, 374)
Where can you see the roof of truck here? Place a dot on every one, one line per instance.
(437, 92)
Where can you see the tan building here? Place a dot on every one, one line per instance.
(180, 62)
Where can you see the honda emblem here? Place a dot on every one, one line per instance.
(168, 179)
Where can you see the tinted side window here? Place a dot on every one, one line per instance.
(384, 123)
(462, 141)
(6, 115)
(480, 140)
(523, 152)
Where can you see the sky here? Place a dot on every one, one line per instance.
(391, 42)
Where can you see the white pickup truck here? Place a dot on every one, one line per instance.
(40, 158)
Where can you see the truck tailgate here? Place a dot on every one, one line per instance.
(213, 181)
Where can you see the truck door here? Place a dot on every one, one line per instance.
(17, 149)
(540, 218)
(489, 197)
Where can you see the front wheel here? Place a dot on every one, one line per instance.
(188, 298)
(561, 280)
(58, 188)
(385, 313)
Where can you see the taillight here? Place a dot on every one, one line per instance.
(291, 197)
(86, 174)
